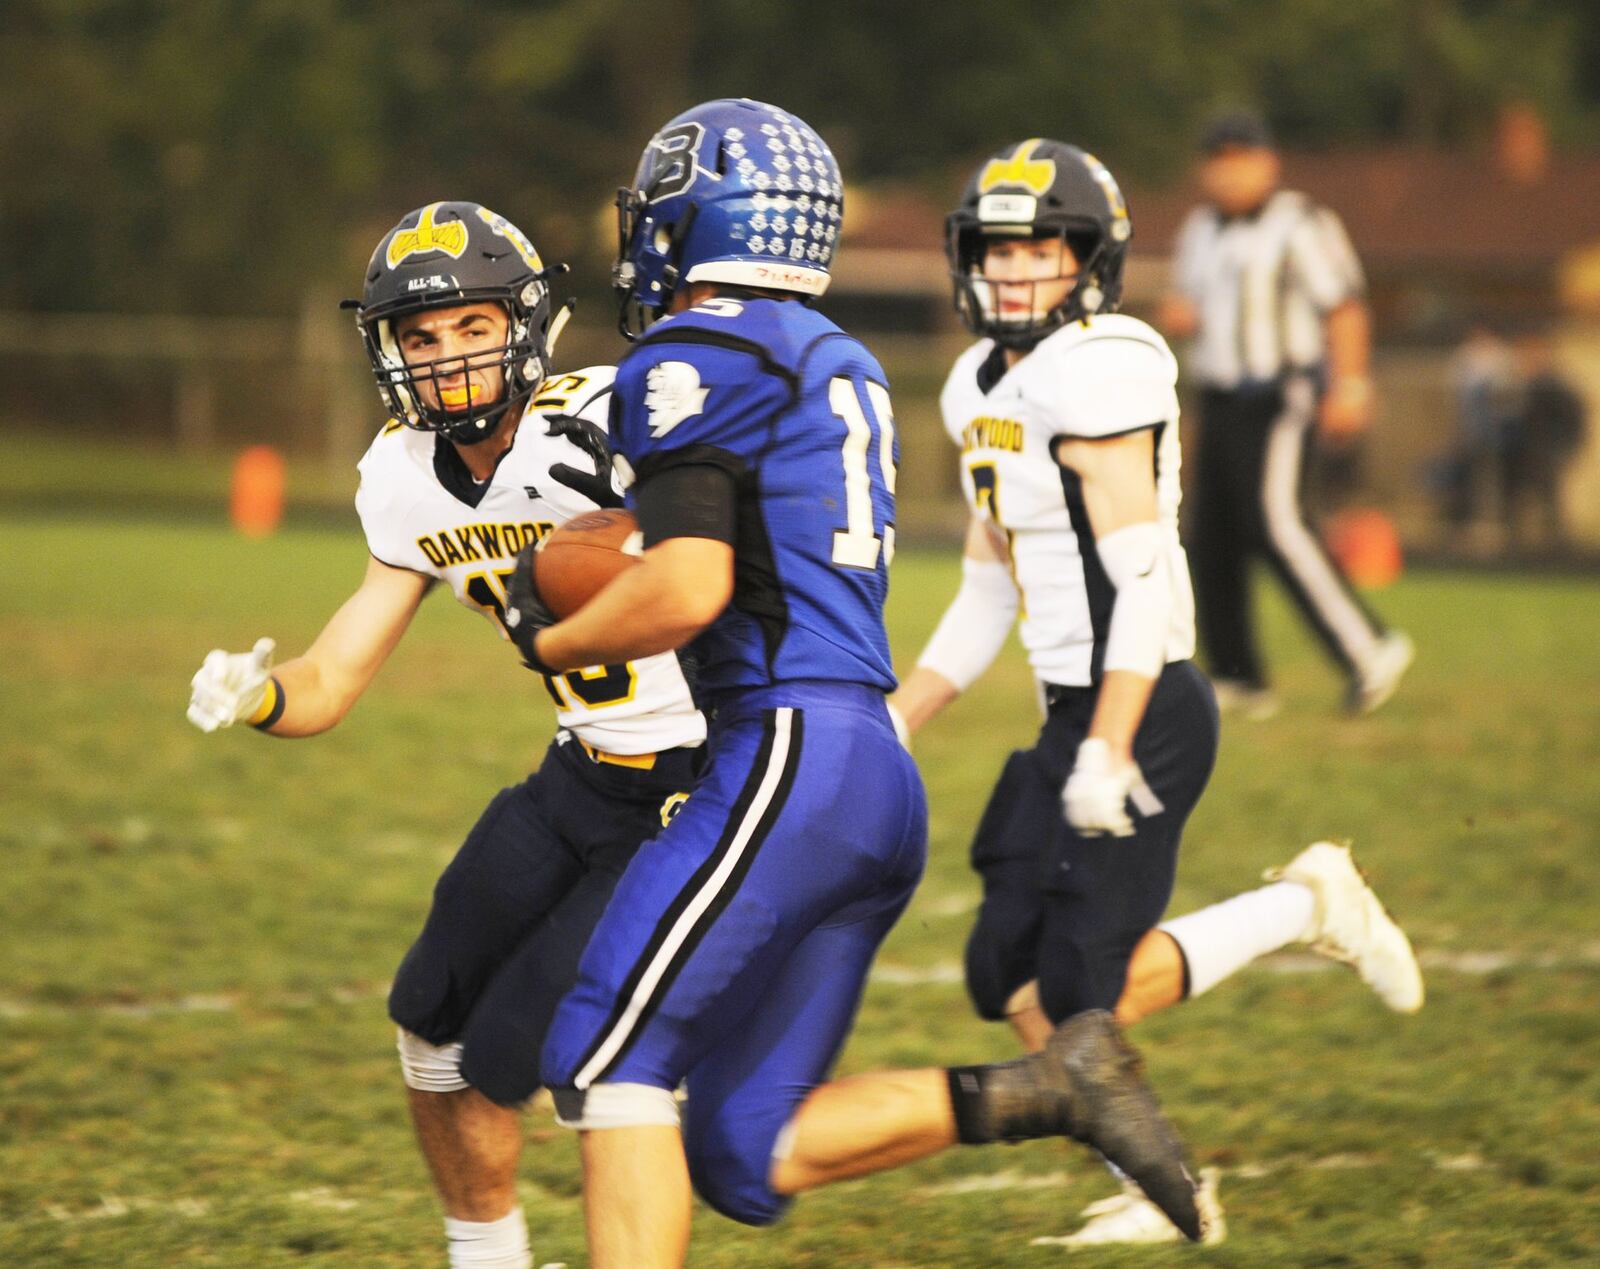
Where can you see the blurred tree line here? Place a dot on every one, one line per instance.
(226, 155)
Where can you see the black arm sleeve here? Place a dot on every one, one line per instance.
(689, 493)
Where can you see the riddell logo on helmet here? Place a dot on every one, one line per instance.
(450, 238)
(1032, 174)
(1007, 209)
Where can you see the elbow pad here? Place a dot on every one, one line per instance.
(1135, 560)
(975, 626)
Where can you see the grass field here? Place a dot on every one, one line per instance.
(196, 1068)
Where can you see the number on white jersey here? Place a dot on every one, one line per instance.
(595, 686)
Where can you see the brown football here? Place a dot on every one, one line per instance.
(575, 562)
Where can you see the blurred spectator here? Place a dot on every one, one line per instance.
(1471, 477)
(1545, 433)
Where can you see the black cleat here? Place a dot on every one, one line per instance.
(1088, 1084)
(1115, 1112)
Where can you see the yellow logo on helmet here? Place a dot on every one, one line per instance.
(513, 235)
(1036, 175)
(450, 238)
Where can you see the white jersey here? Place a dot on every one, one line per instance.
(1103, 378)
(422, 511)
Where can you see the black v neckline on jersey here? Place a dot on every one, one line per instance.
(992, 369)
(454, 476)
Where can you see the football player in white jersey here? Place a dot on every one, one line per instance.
(1066, 415)
(485, 452)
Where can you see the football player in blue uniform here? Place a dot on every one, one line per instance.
(484, 450)
(757, 441)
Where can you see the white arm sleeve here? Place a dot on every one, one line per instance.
(1136, 563)
(975, 626)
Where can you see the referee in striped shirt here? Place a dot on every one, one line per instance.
(1266, 283)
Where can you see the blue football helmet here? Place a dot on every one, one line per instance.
(735, 192)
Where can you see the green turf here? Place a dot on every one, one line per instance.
(196, 1069)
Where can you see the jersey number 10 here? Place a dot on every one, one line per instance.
(856, 545)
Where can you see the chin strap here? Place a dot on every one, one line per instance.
(491, 421)
(558, 323)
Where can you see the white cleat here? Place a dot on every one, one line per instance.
(1245, 700)
(1351, 925)
(1376, 681)
(1129, 1217)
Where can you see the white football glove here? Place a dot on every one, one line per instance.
(1095, 799)
(230, 686)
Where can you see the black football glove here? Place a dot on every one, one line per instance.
(596, 485)
(526, 613)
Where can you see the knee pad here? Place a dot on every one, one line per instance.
(424, 999)
(504, 1082)
(995, 968)
(502, 1052)
(429, 1068)
(1074, 978)
(733, 1174)
(615, 1106)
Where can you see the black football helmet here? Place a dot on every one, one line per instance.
(1039, 189)
(447, 254)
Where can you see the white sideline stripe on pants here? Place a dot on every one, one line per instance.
(782, 724)
(1469, 961)
(1280, 508)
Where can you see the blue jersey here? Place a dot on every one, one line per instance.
(798, 412)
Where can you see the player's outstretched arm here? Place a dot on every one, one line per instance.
(311, 693)
(969, 636)
(1119, 495)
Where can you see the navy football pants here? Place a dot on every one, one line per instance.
(514, 909)
(1066, 909)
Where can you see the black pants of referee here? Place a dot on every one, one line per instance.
(1248, 494)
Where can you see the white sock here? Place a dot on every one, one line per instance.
(1221, 940)
(501, 1244)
